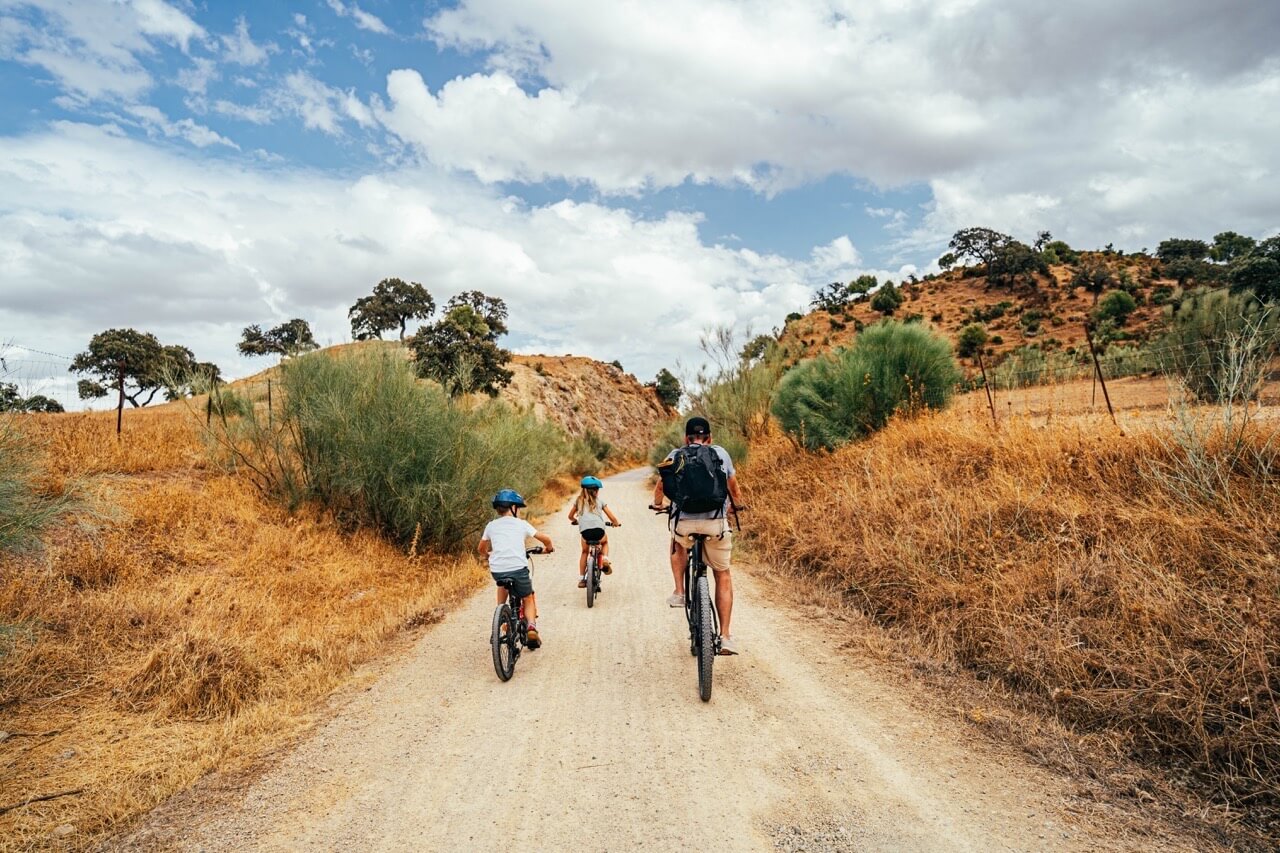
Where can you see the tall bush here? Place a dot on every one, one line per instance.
(1219, 344)
(367, 440)
(891, 368)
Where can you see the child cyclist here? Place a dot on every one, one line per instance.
(502, 543)
(589, 513)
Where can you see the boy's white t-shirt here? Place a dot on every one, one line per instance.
(507, 536)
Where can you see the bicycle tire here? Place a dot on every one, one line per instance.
(706, 640)
(503, 644)
(593, 578)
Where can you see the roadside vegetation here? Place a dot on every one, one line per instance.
(1121, 580)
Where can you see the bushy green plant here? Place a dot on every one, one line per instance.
(1116, 306)
(891, 368)
(972, 339)
(367, 440)
(1219, 344)
(24, 508)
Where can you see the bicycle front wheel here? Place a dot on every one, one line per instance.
(706, 640)
(503, 642)
(593, 580)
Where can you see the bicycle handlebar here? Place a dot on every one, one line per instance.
(606, 524)
(529, 552)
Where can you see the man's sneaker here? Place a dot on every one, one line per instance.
(582, 582)
(532, 640)
(728, 646)
(675, 599)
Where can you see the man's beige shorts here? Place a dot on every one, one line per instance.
(718, 550)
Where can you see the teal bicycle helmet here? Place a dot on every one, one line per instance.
(507, 498)
(592, 483)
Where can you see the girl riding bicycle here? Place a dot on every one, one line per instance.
(589, 513)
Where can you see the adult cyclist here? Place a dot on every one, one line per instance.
(718, 549)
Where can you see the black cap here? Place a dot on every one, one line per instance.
(697, 426)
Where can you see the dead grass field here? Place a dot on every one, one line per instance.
(1059, 562)
(181, 624)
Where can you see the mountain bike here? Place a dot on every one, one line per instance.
(699, 611)
(594, 550)
(510, 627)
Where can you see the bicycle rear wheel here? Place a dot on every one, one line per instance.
(593, 580)
(503, 641)
(706, 640)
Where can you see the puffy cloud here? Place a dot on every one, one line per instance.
(1096, 119)
(199, 249)
(156, 18)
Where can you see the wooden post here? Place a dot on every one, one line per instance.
(120, 403)
(269, 412)
(1097, 369)
(208, 407)
(987, 386)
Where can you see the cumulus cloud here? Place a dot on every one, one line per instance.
(200, 249)
(1097, 118)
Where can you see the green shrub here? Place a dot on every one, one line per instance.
(24, 508)
(364, 438)
(1116, 306)
(973, 338)
(891, 368)
(1219, 345)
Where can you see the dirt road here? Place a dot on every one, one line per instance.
(600, 743)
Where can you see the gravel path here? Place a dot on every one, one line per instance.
(600, 743)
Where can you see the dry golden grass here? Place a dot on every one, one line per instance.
(1049, 559)
(187, 626)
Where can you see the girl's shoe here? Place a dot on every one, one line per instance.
(582, 582)
(606, 567)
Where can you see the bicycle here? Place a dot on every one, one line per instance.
(699, 611)
(593, 566)
(510, 632)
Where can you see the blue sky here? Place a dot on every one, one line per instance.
(190, 168)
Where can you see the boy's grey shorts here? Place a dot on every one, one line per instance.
(521, 582)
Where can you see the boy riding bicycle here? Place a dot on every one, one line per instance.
(502, 543)
(589, 513)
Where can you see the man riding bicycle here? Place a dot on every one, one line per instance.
(718, 550)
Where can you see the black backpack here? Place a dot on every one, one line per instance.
(695, 479)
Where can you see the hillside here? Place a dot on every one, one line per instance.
(1051, 314)
(577, 393)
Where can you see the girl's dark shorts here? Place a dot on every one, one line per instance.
(521, 582)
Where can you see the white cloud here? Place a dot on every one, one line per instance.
(986, 101)
(156, 18)
(255, 115)
(200, 249)
(197, 78)
(364, 20)
(240, 48)
(197, 134)
(320, 106)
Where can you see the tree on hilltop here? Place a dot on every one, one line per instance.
(460, 351)
(1095, 277)
(887, 299)
(393, 303)
(124, 360)
(1230, 246)
(1176, 248)
(1006, 259)
(287, 339)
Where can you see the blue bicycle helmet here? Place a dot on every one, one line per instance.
(507, 498)
(592, 483)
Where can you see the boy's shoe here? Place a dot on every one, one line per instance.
(728, 646)
(675, 599)
(532, 640)
(606, 567)
(582, 582)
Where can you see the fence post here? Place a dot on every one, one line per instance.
(120, 404)
(1097, 369)
(270, 414)
(987, 387)
(208, 408)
